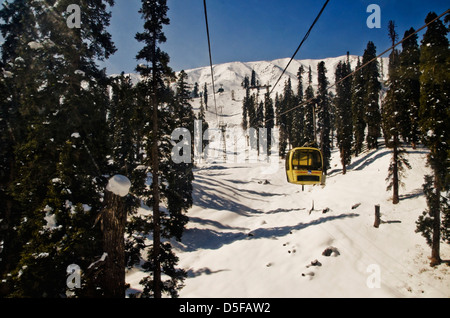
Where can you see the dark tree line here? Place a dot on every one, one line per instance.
(65, 130)
(309, 116)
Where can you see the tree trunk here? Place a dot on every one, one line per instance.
(114, 221)
(435, 246)
(377, 216)
(343, 155)
(395, 180)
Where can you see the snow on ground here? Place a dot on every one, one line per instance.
(255, 235)
(251, 238)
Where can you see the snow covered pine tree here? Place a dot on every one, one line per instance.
(159, 99)
(434, 118)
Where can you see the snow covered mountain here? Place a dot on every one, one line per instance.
(229, 77)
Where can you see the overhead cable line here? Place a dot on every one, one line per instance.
(210, 57)
(301, 43)
(367, 63)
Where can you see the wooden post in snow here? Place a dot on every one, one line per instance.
(377, 216)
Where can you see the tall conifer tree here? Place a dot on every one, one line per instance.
(205, 95)
(17, 19)
(392, 113)
(269, 116)
(63, 111)
(154, 13)
(179, 176)
(298, 116)
(245, 107)
(344, 114)
(372, 88)
(288, 102)
(434, 118)
(166, 113)
(309, 127)
(359, 125)
(323, 115)
(409, 85)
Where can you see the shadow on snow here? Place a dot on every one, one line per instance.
(209, 193)
(195, 239)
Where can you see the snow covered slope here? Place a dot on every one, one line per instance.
(251, 238)
(248, 237)
(254, 235)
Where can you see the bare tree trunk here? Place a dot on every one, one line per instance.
(435, 245)
(114, 221)
(377, 216)
(395, 180)
(344, 167)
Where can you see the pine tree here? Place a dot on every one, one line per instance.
(298, 116)
(124, 125)
(179, 176)
(359, 125)
(344, 113)
(323, 115)
(283, 121)
(392, 113)
(372, 88)
(301, 71)
(7, 236)
(205, 96)
(245, 105)
(205, 125)
(434, 117)
(269, 116)
(251, 110)
(159, 98)
(409, 85)
(183, 108)
(246, 82)
(253, 79)
(195, 93)
(332, 98)
(64, 126)
(288, 102)
(16, 18)
(309, 126)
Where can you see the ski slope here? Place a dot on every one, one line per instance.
(255, 235)
(248, 237)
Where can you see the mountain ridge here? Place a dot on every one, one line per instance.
(227, 107)
(202, 74)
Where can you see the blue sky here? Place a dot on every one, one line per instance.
(253, 30)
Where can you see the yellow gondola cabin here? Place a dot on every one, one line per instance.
(304, 166)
